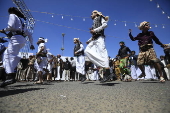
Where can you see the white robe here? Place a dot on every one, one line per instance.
(16, 42)
(96, 50)
(135, 71)
(80, 62)
(94, 75)
(43, 63)
(166, 70)
(49, 65)
(149, 72)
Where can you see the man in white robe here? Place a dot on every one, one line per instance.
(17, 30)
(41, 61)
(80, 59)
(96, 50)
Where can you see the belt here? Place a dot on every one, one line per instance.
(148, 45)
(17, 33)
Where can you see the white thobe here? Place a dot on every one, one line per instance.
(149, 72)
(96, 50)
(43, 63)
(16, 42)
(49, 66)
(95, 75)
(166, 70)
(80, 62)
(135, 71)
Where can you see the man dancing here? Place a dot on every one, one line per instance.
(96, 50)
(41, 61)
(80, 61)
(147, 54)
(17, 31)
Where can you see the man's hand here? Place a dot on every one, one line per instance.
(164, 45)
(92, 31)
(87, 42)
(32, 47)
(2, 31)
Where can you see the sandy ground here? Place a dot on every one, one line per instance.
(87, 97)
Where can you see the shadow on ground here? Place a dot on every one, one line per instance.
(107, 84)
(150, 82)
(17, 91)
(87, 82)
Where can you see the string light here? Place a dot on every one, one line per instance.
(163, 12)
(125, 23)
(158, 6)
(76, 28)
(115, 21)
(156, 25)
(71, 19)
(52, 16)
(151, 0)
(163, 26)
(84, 19)
(135, 24)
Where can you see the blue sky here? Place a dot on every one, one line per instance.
(120, 10)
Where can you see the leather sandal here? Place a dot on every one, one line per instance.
(162, 79)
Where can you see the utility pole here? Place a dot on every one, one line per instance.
(62, 48)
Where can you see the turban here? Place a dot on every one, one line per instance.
(100, 13)
(142, 25)
(45, 40)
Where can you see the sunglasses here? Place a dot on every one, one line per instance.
(147, 25)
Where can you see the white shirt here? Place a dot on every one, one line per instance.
(40, 46)
(15, 24)
(73, 63)
(49, 56)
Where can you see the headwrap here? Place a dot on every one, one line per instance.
(100, 13)
(58, 55)
(122, 42)
(142, 25)
(77, 39)
(17, 11)
(45, 40)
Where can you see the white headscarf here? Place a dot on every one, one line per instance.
(45, 40)
(142, 25)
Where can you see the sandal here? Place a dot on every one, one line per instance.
(162, 79)
(38, 82)
(142, 75)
